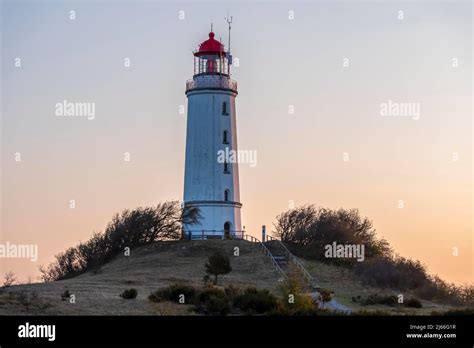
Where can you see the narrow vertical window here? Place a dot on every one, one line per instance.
(226, 167)
(224, 109)
(226, 195)
(225, 138)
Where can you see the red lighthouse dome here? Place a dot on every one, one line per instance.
(210, 46)
(211, 59)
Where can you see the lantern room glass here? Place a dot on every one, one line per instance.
(211, 64)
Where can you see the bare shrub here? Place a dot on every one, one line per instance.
(131, 228)
(9, 279)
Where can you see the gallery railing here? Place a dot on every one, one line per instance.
(213, 234)
(211, 82)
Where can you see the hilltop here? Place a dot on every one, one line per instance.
(160, 264)
(147, 268)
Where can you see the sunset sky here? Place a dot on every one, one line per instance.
(335, 150)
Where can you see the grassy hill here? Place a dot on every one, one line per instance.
(347, 285)
(163, 263)
(146, 269)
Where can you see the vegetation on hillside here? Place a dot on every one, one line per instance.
(217, 264)
(9, 279)
(307, 230)
(129, 294)
(212, 300)
(130, 229)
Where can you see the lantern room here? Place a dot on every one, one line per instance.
(211, 58)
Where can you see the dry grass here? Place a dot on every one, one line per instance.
(346, 285)
(161, 264)
(147, 269)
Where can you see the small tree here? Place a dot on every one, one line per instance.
(9, 279)
(218, 264)
(325, 296)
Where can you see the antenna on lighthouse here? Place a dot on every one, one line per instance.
(229, 21)
(229, 55)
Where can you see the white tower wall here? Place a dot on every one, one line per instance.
(205, 181)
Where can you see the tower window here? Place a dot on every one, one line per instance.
(226, 168)
(224, 109)
(226, 195)
(225, 138)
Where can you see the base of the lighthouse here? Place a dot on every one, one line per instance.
(219, 221)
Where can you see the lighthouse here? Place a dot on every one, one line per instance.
(211, 180)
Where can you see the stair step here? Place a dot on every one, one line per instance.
(283, 257)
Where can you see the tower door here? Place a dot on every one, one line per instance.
(227, 230)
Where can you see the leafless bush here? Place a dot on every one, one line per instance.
(131, 228)
(9, 279)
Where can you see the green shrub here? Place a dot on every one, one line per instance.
(393, 272)
(213, 301)
(203, 295)
(391, 300)
(129, 294)
(255, 301)
(173, 293)
(216, 305)
(413, 302)
(65, 295)
(437, 290)
(375, 299)
(301, 304)
(233, 291)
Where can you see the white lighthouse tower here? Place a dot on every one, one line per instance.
(211, 183)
